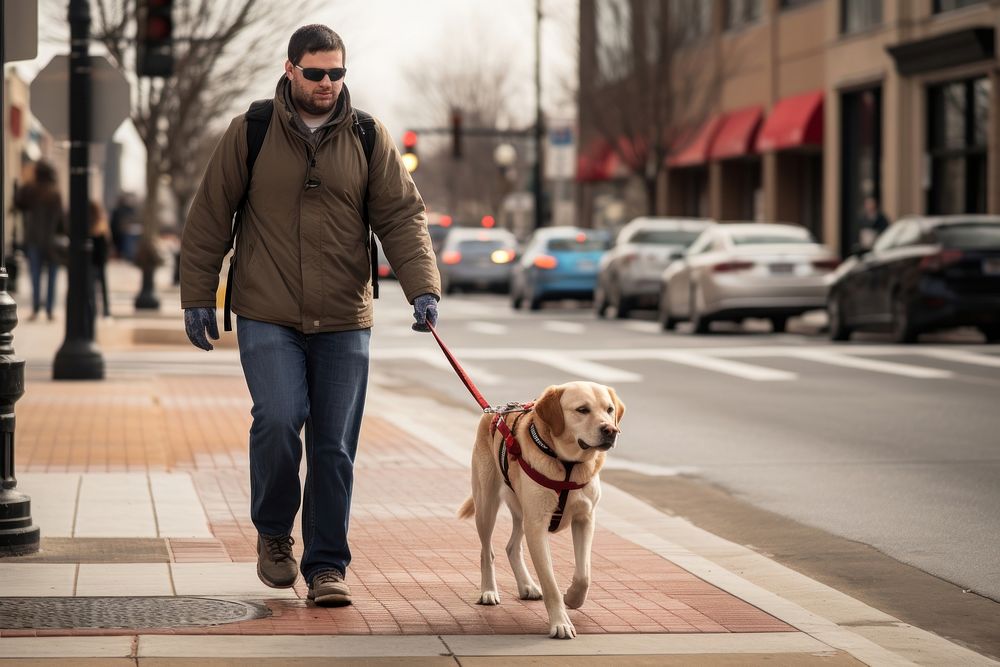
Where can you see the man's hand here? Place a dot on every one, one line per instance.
(425, 309)
(196, 322)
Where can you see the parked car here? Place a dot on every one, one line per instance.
(739, 270)
(628, 276)
(477, 258)
(922, 274)
(558, 263)
(384, 268)
(438, 233)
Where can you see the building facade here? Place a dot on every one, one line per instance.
(814, 105)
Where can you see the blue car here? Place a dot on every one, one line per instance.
(558, 263)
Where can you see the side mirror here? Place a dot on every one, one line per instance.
(677, 254)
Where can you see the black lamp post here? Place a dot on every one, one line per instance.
(17, 534)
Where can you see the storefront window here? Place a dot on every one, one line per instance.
(949, 5)
(858, 15)
(861, 159)
(742, 12)
(957, 124)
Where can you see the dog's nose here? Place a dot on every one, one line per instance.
(609, 429)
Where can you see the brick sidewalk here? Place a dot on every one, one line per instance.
(416, 567)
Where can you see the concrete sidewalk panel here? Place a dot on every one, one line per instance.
(66, 647)
(281, 646)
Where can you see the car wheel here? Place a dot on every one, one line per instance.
(516, 298)
(702, 324)
(667, 321)
(600, 301)
(779, 324)
(992, 334)
(623, 307)
(902, 329)
(835, 314)
(534, 303)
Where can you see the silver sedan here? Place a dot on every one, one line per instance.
(629, 274)
(740, 270)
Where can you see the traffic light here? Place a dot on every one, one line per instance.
(456, 133)
(155, 38)
(410, 159)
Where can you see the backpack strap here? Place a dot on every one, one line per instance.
(364, 127)
(258, 118)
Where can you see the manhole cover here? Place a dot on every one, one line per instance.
(123, 612)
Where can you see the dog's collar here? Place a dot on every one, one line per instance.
(541, 443)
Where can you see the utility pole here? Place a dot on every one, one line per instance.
(79, 358)
(539, 122)
(17, 534)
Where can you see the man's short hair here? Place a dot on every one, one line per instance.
(312, 39)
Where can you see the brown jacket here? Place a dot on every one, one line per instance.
(302, 254)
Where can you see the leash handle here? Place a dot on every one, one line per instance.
(466, 380)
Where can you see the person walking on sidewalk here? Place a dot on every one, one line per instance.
(303, 297)
(100, 236)
(43, 221)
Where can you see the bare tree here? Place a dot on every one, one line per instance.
(651, 82)
(217, 55)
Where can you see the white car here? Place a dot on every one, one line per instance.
(739, 270)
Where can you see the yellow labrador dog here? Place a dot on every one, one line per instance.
(551, 483)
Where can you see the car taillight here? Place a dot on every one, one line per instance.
(383, 271)
(940, 260)
(826, 264)
(546, 262)
(501, 256)
(451, 257)
(630, 258)
(732, 267)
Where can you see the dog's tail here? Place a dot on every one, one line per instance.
(467, 509)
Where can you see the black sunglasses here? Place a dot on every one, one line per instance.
(317, 74)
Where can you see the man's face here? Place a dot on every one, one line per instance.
(315, 97)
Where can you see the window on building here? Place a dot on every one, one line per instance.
(614, 39)
(949, 5)
(858, 15)
(741, 12)
(957, 127)
(690, 20)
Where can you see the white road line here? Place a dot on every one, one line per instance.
(891, 367)
(488, 328)
(438, 360)
(643, 327)
(964, 357)
(580, 368)
(727, 366)
(574, 328)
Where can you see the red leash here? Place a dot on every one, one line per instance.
(513, 447)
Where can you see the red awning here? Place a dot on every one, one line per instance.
(597, 163)
(695, 151)
(737, 134)
(795, 121)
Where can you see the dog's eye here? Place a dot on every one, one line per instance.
(584, 410)
(610, 410)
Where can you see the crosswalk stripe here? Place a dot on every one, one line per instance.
(643, 327)
(727, 366)
(581, 368)
(573, 328)
(438, 360)
(875, 365)
(963, 357)
(487, 328)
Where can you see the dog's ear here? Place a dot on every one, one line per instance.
(549, 410)
(619, 406)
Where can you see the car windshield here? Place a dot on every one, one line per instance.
(769, 239)
(481, 247)
(971, 235)
(580, 243)
(665, 237)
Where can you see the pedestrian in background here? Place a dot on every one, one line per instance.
(302, 295)
(872, 223)
(125, 227)
(100, 237)
(43, 222)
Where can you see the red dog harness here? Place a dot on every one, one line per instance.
(510, 448)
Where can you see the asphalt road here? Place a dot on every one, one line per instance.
(897, 447)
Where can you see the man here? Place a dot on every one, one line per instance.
(872, 223)
(303, 298)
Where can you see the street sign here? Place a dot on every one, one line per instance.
(50, 98)
(20, 30)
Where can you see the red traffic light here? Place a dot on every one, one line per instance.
(409, 139)
(488, 221)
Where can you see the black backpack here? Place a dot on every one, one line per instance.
(258, 118)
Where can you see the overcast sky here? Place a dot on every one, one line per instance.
(384, 36)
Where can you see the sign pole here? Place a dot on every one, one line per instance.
(79, 358)
(17, 534)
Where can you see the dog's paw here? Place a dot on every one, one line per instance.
(489, 598)
(530, 591)
(575, 596)
(562, 630)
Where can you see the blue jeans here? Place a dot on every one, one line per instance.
(38, 260)
(318, 381)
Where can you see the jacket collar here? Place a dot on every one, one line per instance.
(342, 112)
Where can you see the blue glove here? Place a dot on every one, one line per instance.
(196, 322)
(425, 309)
